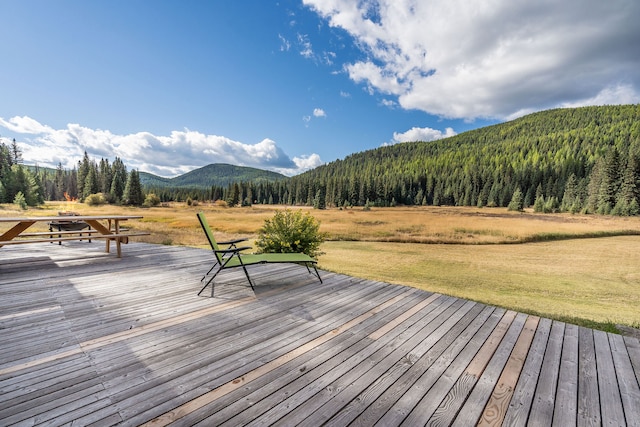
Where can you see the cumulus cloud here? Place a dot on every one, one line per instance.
(421, 134)
(172, 155)
(492, 58)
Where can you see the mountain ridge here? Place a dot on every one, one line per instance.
(214, 174)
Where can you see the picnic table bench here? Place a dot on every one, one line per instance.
(97, 229)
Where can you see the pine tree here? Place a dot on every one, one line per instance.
(17, 154)
(593, 188)
(517, 201)
(319, 199)
(629, 191)
(90, 183)
(83, 171)
(59, 183)
(234, 195)
(119, 180)
(570, 193)
(609, 183)
(133, 194)
(630, 186)
(105, 177)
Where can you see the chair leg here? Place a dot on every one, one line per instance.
(210, 281)
(317, 274)
(207, 273)
(205, 286)
(248, 278)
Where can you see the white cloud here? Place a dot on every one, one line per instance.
(616, 94)
(302, 163)
(171, 155)
(285, 44)
(319, 112)
(493, 58)
(304, 44)
(421, 134)
(389, 103)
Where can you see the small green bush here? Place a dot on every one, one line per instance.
(20, 200)
(151, 200)
(290, 232)
(97, 199)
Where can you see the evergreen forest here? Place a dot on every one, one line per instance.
(573, 159)
(579, 159)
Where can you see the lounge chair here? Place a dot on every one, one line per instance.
(231, 257)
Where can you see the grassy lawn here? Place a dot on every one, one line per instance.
(562, 272)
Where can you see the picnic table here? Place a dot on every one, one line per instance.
(106, 227)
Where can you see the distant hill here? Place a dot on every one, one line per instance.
(218, 174)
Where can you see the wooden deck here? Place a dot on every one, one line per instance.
(87, 338)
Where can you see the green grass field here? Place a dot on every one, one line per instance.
(561, 271)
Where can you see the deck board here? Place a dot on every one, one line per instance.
(88, 339)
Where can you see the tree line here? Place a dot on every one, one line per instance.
(571, 160)
(577, 160)
(102, 182)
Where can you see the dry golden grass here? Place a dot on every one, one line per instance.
(565, 275)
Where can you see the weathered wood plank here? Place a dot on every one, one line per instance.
(633, 349)
(226, 370)
(545, 392)
(627, 381)
(608, 389)
(566, 401)
(496, 408)
(522, 400)
(588, 398)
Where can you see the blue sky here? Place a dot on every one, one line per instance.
(170, 86)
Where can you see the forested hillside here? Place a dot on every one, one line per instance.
(576, 159)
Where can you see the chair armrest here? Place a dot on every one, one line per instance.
(232, 250)
(232, 242)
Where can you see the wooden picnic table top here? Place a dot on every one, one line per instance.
(69, 218)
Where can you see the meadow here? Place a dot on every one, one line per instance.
(583, 269)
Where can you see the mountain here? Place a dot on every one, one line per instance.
(218, 174)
